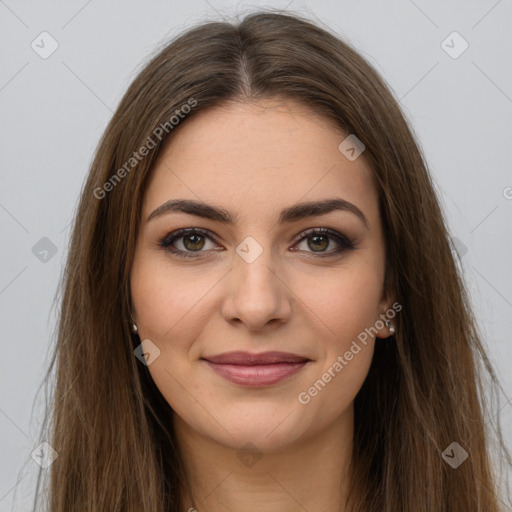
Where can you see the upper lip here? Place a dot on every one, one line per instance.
(248, 358)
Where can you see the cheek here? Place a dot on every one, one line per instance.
(343, 304)
(165, 303)
(163, 297)
(341, 312)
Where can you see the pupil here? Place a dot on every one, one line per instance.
(193, 243)
(316, 237)
(317, 240)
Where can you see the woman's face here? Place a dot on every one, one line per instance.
(250, 285)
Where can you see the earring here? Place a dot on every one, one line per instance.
(135, 329)
(390, 327)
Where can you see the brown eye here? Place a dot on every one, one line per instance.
(193, 242)
(318, 242)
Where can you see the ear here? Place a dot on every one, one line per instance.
(386, 300)
(388, 308)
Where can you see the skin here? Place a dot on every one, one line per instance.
(254, 159)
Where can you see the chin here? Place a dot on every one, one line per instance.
(247, 437)
(269, 428)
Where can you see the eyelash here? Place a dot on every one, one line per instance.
(166, 242)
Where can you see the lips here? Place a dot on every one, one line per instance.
(247, 358)
(255, 370)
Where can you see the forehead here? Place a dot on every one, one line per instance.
(259, 157)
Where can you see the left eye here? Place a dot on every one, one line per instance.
(193, 241)
(319, 238)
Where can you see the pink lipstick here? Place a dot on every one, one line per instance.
(255, 370)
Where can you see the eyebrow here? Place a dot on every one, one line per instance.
(291, 214)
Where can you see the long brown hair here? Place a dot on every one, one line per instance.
(108, 421)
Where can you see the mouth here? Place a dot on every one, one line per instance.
(255, 370)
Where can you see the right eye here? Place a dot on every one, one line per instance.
(191, 239)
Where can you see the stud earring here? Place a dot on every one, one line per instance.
(390, 327)
(135, 329)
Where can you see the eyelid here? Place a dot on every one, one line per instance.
(346, 243)
(179, 233)
(324, 231)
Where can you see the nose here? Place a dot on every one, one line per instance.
(257, 295)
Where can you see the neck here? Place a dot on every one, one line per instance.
(310, 474)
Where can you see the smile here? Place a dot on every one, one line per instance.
(256, 370)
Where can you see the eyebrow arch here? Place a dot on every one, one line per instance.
(291, 214)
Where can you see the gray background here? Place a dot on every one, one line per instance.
(54, 109)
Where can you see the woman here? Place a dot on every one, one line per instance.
(261, 309)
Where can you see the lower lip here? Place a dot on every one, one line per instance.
(256, 375)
